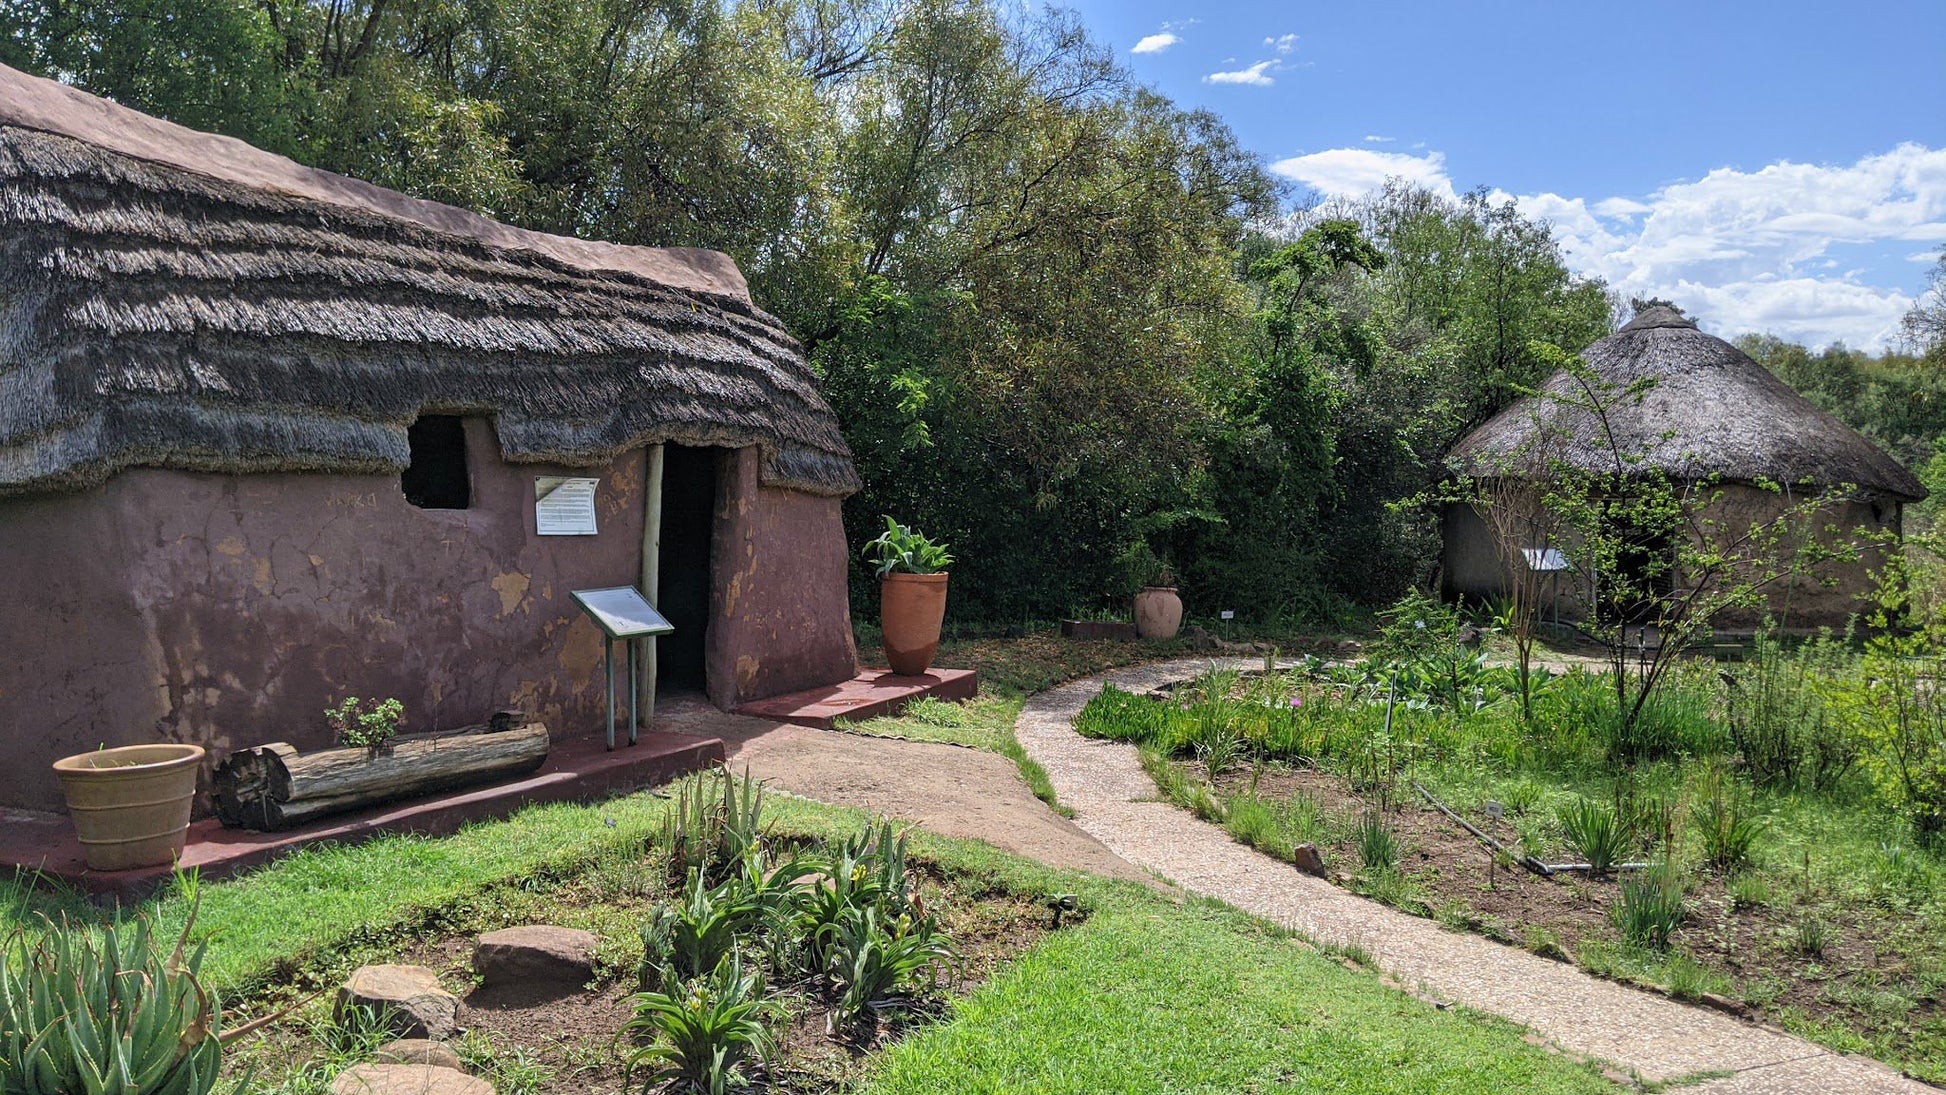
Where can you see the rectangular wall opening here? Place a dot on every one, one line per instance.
(684, 582)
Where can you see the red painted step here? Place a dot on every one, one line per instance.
(873, 692)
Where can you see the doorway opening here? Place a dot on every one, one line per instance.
(683, 582)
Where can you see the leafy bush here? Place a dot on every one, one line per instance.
(904, 550)
(358, 728)
(1651, 908)
(683, 941)
(1780, 723)
(1595, 834)
(704, 1032)
(869, 963)
(107, 1013)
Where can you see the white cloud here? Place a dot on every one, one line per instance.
(1283, 43)
(1355, 172)
(1751, 250)
(1373, 138)
(1257, 75)
(1155, 43)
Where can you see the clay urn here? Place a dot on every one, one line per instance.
(911, 609)
(1158, 612)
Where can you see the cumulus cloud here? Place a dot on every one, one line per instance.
(1815, 252)
(1355, 172)
(1283, 43)
(1257, 75)
(1156, 43)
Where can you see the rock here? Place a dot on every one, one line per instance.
(418, 1051)
(1200, 639)
(1307, 858)
(410, 997)
(407, 1080)
(539, 954)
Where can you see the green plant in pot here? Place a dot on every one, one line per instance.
(912, 595)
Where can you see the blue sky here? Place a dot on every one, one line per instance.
(1777, 167)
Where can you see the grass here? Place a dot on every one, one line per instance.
(1149, 998)
(1145, 995)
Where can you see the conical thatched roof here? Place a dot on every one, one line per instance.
(1708, 411)
(173, 299)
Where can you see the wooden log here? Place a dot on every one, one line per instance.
(274, 787)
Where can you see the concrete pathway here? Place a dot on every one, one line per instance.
(1658, 1039)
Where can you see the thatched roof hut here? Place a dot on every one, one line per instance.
(183, 300)
(271, 437)
(1708, 411)
(1695, 408)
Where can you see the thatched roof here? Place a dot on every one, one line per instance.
(1708, 411)
(174, 299)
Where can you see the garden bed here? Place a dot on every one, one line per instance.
(1815, 909)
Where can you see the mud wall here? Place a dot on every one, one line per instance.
(780, 615)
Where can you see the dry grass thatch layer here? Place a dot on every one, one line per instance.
(154, 315)
(1710, 411)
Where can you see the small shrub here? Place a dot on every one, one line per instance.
(704, 1033)
(1810, 937)
(1728, 828)
(1650, 910)
(105, 1013)
(870, 964)
(1378, 848)
(684, 941)
(358, 728)
(1595, 834)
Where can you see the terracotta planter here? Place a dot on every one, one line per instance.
(131, 805)
(911, 608)
(1158, 612)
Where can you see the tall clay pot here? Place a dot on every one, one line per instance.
(911, 608)
(131, 805)
(1158, 612)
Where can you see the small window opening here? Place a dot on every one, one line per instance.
(436, 477)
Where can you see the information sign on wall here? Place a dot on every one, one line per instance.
(564, 506)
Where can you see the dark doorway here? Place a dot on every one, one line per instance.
(683, 583)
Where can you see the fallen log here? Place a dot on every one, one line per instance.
(273, 787)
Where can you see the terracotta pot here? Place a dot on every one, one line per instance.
(131, 805)
(1158, 612)
(910, 610)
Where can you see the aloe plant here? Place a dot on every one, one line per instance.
(105, 1013)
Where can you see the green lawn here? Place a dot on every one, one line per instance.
(1146, 995)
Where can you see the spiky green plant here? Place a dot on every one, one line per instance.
(1595, 833)
(689, 938)
(105, 1013)
(717, 819)
(1378, 848)
(703, 1033)
(871, 965)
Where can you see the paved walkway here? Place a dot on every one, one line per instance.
(1657, 1038)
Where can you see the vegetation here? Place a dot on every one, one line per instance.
(1805, 885)
(359, 727)
(901, 550)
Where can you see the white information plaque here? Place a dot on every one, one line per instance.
(622, 612)
(564, 506)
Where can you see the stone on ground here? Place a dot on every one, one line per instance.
(408, 999)
(407, 1080)
(419, 1051)
(536, 955)
(1306, 858)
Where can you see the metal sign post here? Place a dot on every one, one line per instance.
(623, 614)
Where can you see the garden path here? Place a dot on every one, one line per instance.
(948, 789)
(1656, 1038)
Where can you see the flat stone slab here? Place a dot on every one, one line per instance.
(385, 1079)
(873, 692)
(419, 1051)
(535, 955)
(409, 998)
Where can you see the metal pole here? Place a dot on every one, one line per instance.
(651, 572)
(633, 692)
(608, 675)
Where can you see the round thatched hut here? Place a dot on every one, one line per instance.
(271, 436)
(1697, 409)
